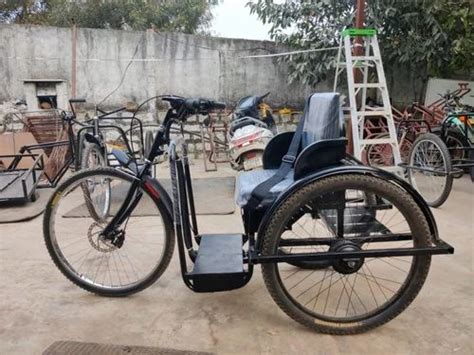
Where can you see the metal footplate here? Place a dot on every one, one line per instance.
(219, 264)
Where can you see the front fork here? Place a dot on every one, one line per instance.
(112, 231)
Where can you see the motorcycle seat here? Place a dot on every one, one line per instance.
(322, 144)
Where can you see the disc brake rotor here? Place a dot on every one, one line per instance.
(97, 241)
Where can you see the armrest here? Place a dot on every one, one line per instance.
(319, 155)
(276, 149)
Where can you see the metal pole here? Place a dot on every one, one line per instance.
(73, 58)
(359, 23)
(360, 15)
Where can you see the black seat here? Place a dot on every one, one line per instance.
(322, 144)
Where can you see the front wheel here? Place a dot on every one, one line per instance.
(141, 251)
(430, 169)
(93, 156)
(334, 214)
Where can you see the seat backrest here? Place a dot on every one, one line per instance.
(323, 118)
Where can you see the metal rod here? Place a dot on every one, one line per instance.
(411, 167)
(73, 58)
(359, 239)
(359, 23)
(440, 248)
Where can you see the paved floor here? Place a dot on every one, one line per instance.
(38, 306)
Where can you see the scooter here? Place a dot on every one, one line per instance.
(251, 128)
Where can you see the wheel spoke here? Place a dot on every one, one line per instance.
(82, 251)
(354, 288)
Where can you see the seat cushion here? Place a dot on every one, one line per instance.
(249, 180)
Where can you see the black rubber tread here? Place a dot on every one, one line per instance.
(34, 196)
(447, 158)
(413, 215)
(149, 138)
(169, 237)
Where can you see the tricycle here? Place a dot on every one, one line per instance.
(443, 153)
(343, 247)
(58, 141)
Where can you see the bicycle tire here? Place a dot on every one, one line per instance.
(441, 147)
(411, 288)
(149, 138)
(51, 244)
(88, 151)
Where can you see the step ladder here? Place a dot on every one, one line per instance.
(370, 66)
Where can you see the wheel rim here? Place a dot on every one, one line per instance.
(380, 155)
(95, 261)
(97, 203)
(375, 284)
(455, 145)
(427, 154)
(97, 195)
(95, 158)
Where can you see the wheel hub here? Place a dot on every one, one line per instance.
(97, 241)
(346, 265)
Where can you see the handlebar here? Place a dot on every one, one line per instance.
(203, 105)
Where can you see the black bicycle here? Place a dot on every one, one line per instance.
(344, 247)
(93, 131)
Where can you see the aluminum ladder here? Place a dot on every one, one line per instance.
(369, 65)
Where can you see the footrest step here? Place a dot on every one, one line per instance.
(219, 254)
(219, 264)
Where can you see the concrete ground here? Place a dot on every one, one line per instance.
(38, 306)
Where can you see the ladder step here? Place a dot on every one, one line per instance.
(365, 57)
(355, 65)
(369, 85)
(219, 264)
(378, 141)
(372, 113)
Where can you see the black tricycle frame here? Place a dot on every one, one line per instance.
(182, 211)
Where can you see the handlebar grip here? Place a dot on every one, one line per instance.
(218, 105)
(77, 100)
(203, 105)
(192, 104)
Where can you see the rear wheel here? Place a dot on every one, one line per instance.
(431, 172)
(356, 294)
(380, 155)
(73, 237)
